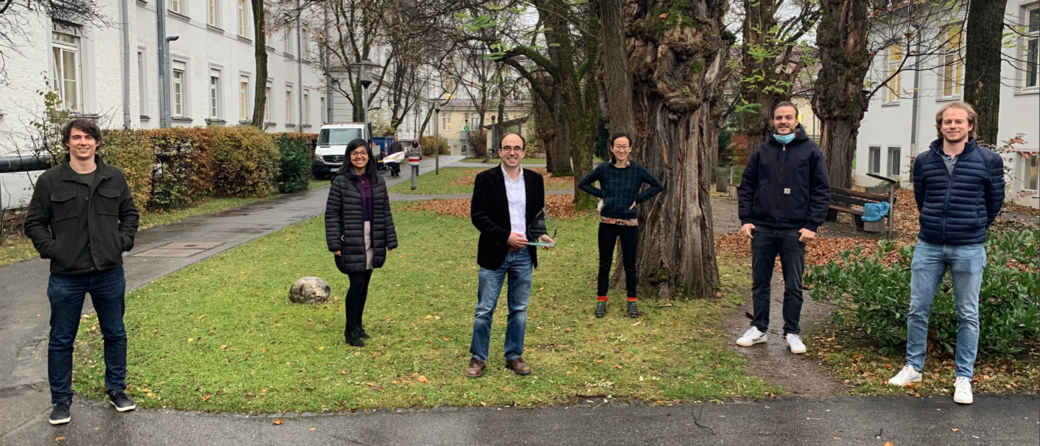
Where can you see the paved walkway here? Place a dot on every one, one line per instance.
(25, 398)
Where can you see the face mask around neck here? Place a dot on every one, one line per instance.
(784, 139)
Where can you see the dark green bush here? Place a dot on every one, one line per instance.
(875, 298)
(182, 167)
(295, 168)
(131, 152)
(245, 162)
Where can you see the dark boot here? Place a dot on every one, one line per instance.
(353, 336)
(601, 309)
(632, 310)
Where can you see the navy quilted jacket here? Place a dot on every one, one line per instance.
(956, 209)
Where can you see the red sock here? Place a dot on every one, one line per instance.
(602, 298)
(632, 299)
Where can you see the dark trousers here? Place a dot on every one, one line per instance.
(608, 235)
(357, 294)
(766, 243)
(66, 294)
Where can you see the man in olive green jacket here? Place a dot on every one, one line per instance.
(83, 219)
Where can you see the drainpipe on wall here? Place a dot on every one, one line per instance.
(164, 88)
(299, 67)
(125, 16)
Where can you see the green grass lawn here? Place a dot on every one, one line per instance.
(430, 184)
(222, 335)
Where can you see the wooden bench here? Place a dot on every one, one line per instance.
(852, 202)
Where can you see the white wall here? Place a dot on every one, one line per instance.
(889, 124)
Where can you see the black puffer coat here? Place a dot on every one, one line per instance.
(345, 223)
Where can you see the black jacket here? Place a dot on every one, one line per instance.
(957, 209)
(82, 228)
(345, 223)
(489, 211)
(785, 186)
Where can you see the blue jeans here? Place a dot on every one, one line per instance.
(519, 269)
(966, 263)
(66, 294)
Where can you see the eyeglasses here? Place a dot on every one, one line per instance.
(358, 154)
(622, 147)
(508, 149)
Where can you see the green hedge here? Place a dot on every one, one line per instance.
(131, 152)
(183, 167)
(295, 171)
(245, 162)
(874, 298)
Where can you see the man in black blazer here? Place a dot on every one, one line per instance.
(506, 199)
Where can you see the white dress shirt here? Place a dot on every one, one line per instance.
(517, 196)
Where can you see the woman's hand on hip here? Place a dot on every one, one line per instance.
(337, 253)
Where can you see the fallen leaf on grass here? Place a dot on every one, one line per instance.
(314, 429)
(277, 422)
(59, 439)
(888, 443)
(422, 379)
(618, 367)
(954, 429)
(223, 347)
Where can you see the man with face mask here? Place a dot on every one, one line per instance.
(782, 199)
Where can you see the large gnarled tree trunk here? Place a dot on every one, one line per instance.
(982, 65)
(677, 52)
(839, 101)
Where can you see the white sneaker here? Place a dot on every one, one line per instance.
(795, 342)
(906, 376)
(962, 392)
(752, 337)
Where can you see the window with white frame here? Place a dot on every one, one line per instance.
(213, 13)
(267, 103)
(288, 104)
(894, 154)
(287, 46)
(243, 98)
(895, 61)
(142, 85)
(177, 6)
(1030, 48)
(242, 18)
(66, 72)
(306, 107)
(445, 121)
(1031, 169)
(874, 160)
(214, 94)
(177, 89)
(951, 62)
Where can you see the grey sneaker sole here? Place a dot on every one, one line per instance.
(123, 409)
(761, 340)
(800, 351)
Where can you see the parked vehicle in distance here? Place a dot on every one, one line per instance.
(331, 150)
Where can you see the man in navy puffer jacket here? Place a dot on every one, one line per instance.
(782, 199)
(959, 189)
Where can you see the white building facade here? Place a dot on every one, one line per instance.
(889, 139)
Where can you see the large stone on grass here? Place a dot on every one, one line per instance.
(310, 290)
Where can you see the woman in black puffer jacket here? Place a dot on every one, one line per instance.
(359, 230)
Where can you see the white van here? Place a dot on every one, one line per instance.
(331, 151)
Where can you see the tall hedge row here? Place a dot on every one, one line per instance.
(174, 168)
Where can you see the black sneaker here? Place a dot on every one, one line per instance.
(601, 309)
(60, 414)
(364, 334)
(632, 310)
(121, 401)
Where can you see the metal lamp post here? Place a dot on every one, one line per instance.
(464, 136)
(365, 79)
(436, 139)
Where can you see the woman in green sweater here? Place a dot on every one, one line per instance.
(619, 184)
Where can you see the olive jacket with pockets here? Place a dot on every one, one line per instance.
(82, 228)
(345, 224)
